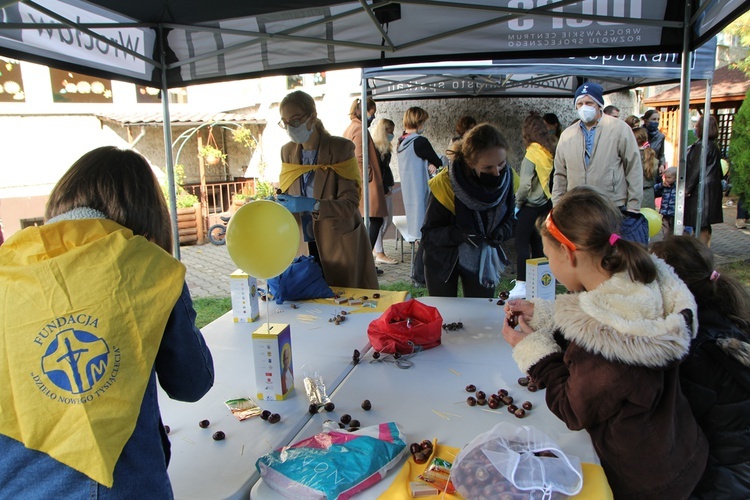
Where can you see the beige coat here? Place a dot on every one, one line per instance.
(376, 194)
(340, 234)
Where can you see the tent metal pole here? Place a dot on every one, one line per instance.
(365, 154)
(704, 154)
(171, 185)
(679, 226)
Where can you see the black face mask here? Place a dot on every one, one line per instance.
(489, 180)
(370, 119)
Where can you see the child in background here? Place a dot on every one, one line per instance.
(715, 377)
(650, 164)
(609, 352)
(666, 190)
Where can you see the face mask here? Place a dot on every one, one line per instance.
(299, 134)
(390, 137)
(587, 113)
(370, 119)
(652, 126)
(489, 180)
(421, 131)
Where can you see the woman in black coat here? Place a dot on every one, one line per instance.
(715, 376)
(712, 193)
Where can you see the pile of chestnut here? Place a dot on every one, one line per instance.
(421, 452)
(496, 400)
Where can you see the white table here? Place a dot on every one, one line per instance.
(201, 468)
(477, 355)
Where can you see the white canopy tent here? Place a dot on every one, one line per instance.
(172, 43)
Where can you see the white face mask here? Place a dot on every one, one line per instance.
(587, 113)
(299, 134)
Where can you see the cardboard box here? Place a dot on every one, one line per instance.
(540, 283)
(244, 290)
(272, 352)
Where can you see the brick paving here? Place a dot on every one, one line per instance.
(209, 266)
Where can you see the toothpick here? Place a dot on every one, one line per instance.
(454, 372)
(186, 439)
(452, 414)
(242, 450)
(491, 411)
(269, 444)
(440, 414)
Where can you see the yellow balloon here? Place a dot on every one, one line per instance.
(262, 238)
(654, 221)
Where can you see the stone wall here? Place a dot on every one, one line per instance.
(507, 114)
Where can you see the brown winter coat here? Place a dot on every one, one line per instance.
(376, 195)
(340, 234)
(613, 370)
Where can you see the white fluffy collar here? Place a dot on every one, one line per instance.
(631, 322)
(77, 214)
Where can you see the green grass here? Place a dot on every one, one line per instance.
(739, 271)
(210, 308)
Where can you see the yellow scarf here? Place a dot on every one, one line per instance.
(84, 306)
(441, 188)
(348, 169)
(543, 162)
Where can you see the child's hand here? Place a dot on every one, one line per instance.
(524, 307)
(513, 336)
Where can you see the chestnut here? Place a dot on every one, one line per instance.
(375, 295)
(354, 423)
(527, 405)
(500, 302)
(203, 424)
(167, 429)
(313, 408)
(481, 402)
(502, 393)
(512, 320)
(265, 414)
(532, 387)
(523, 381)
(415, 448)
(345, 418)
(507, 399)
(421, 457)
(494, 404)
(218, 436)
(471, 388)
(481, 395)
(471, 401)
(366, 405)
(520, 413)
(512, 408)
(505, 294)
(275, 418)
(426, 444)
(352, 429)
(375, 355)
(329, 406)
(356, 353)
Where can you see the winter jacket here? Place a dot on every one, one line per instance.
(668, 198)
(614, 167)
(375, 192)
(610, 361)
(712, 192)
(715, 378)
(442, 234)
(340, 234)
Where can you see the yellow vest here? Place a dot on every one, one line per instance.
(84, 306)
(348, 169)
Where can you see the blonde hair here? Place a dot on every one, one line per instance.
(380, 136)
(414, 117)
(306, 103)
(120, 184)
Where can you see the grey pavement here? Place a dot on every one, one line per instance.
(209, 266)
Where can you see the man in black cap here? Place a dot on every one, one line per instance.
(600, 151)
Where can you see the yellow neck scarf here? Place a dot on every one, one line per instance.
(348, 169)
(84, 306)
(441, 189)
(543, 162)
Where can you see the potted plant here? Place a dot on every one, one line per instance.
(243, 136)
(212, 155)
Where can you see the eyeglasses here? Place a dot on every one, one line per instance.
(557, 234)
(293, 123)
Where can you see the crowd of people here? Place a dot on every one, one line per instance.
(649, 352)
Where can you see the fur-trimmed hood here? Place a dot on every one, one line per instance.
(629, 322)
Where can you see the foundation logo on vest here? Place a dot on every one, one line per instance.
(546, 279)
(76, 360)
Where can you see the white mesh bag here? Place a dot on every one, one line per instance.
(514, 462)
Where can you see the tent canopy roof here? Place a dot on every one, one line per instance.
(226, 39)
